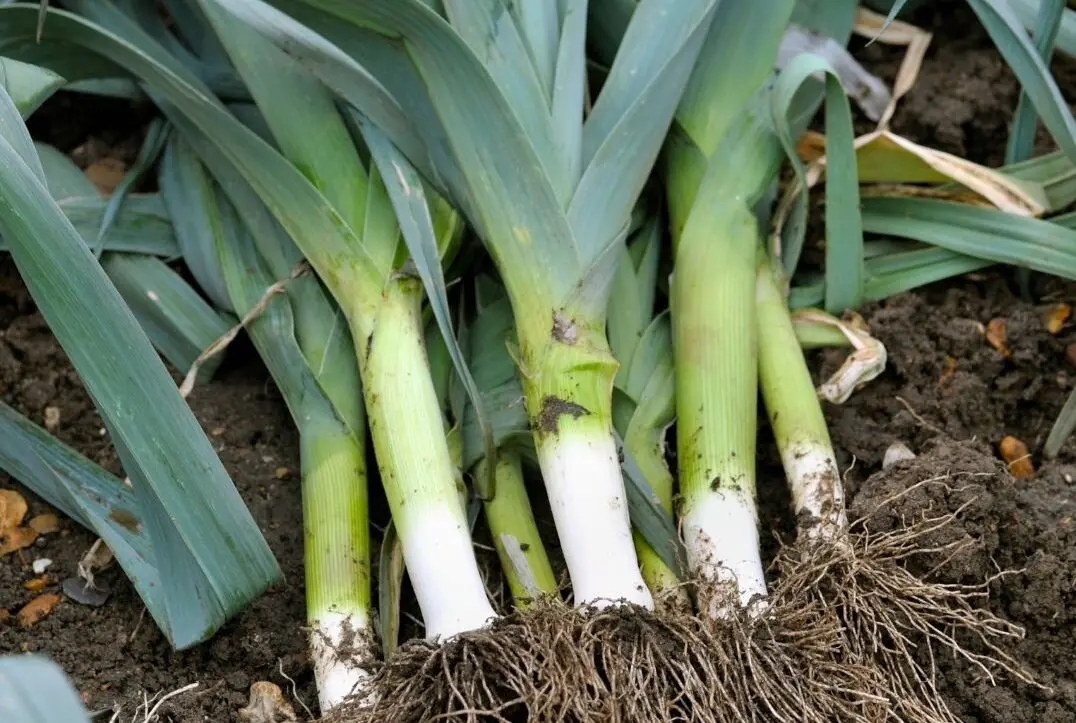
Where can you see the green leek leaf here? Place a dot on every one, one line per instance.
(37, 691)
(179, 482)
(980, 232)
(1022, 134)
(844, 233)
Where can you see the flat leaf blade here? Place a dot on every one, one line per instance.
(166, 452)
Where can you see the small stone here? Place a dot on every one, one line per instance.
(282, 473)
(40, 565)
(896, 452)
(52, 418)
(82, 592)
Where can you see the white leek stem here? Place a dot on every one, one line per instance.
(440, 563)
(586, 494)
(815, 483)
(721, 536)
(416, 466)
(339, 677)
(568, 384)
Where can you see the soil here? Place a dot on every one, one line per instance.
(947, 394)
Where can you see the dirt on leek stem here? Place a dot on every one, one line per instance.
(714, 336)
(568, 385)
(337, 554)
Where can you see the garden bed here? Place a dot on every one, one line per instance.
(947, 393)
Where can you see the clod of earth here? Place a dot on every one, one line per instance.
(553, 409)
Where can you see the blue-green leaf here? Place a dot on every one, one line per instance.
(210, 554)
(35, 690)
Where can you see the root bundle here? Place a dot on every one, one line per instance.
(850, 634)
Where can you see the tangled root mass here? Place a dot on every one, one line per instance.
(851, 634)
(901, 624)
(554, 663)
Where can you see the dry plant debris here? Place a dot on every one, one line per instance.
(267, 705)
(37, 609)
(1055, 317)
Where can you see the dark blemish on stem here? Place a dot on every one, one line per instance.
(564, 329)
(553, 409)
(124, 519)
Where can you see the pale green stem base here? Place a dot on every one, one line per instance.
(648, 450)
(416, 467)
(515, 534)
(714, 338)
(337, 555)
(795, 414)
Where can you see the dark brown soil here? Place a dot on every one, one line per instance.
(953, 413)
(947, 394)
(115, 653)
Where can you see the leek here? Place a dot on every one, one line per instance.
(509, 515)
(515, 534)
(311, 359)
(644, 397)
(381, 301)
(796, 416)
(549, 193)
(720, 162)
